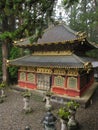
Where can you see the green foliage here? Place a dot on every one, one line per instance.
(18, 33)
(38, 34)
(20, 19)
(63, 113)
(73, 105)
(13, 71)
(14, 53)
(2, 85)
(27, 94)
(83, 16)
(48, 93)
(2, 4)
(68, 3)
(92, 53)
(31, 14)
(34, 39)
(5, 35)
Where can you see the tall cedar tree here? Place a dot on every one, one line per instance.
(21, 18)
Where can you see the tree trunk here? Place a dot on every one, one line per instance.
(4, 50)
(96, 3)
(4, 58)
(8, 23)
(85, 12)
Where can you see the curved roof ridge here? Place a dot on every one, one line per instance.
(78, 58)
(62, 24)
(69, 29)
(49, 27)
(57, 33)
(19, 58)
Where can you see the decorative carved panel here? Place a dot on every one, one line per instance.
(31, 69)
(59, 71)
(59, 81)
(22, 68)
(31, 77)
(72, 72)
(22, 76)
(72, 82)
(44, 70)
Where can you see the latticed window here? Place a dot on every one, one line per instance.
(31, 77)
(22, 76)
(59, 81)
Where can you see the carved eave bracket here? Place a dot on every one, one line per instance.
(88, 66)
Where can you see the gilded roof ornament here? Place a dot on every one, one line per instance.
(81, 34)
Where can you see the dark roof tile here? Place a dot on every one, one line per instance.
(49, 61)
(57, 33)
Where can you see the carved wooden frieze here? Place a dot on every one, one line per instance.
(44, 70)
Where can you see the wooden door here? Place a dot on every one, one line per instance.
(43, 82)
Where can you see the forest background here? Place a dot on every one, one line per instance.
(26, 18)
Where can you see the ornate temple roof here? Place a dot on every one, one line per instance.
(57, 38)
(53, 34)
(54, 61)
(57, 34)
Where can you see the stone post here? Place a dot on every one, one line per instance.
(2, 93)
(48, 106)
(63, 124)
(26, 103)
(72, 123)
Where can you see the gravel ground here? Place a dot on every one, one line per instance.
(12, 116)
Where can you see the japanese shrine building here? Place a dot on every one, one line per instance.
(57, 62)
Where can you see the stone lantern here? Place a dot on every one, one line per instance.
(26, 99)
(47, 98)
(49, 121)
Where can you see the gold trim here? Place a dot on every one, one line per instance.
(59, 72)
(22, 68)
(44, 70)
(81, 34)
(73, 72)
(31, 69)
(88, 66)
(53, 53)
(17, 43)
